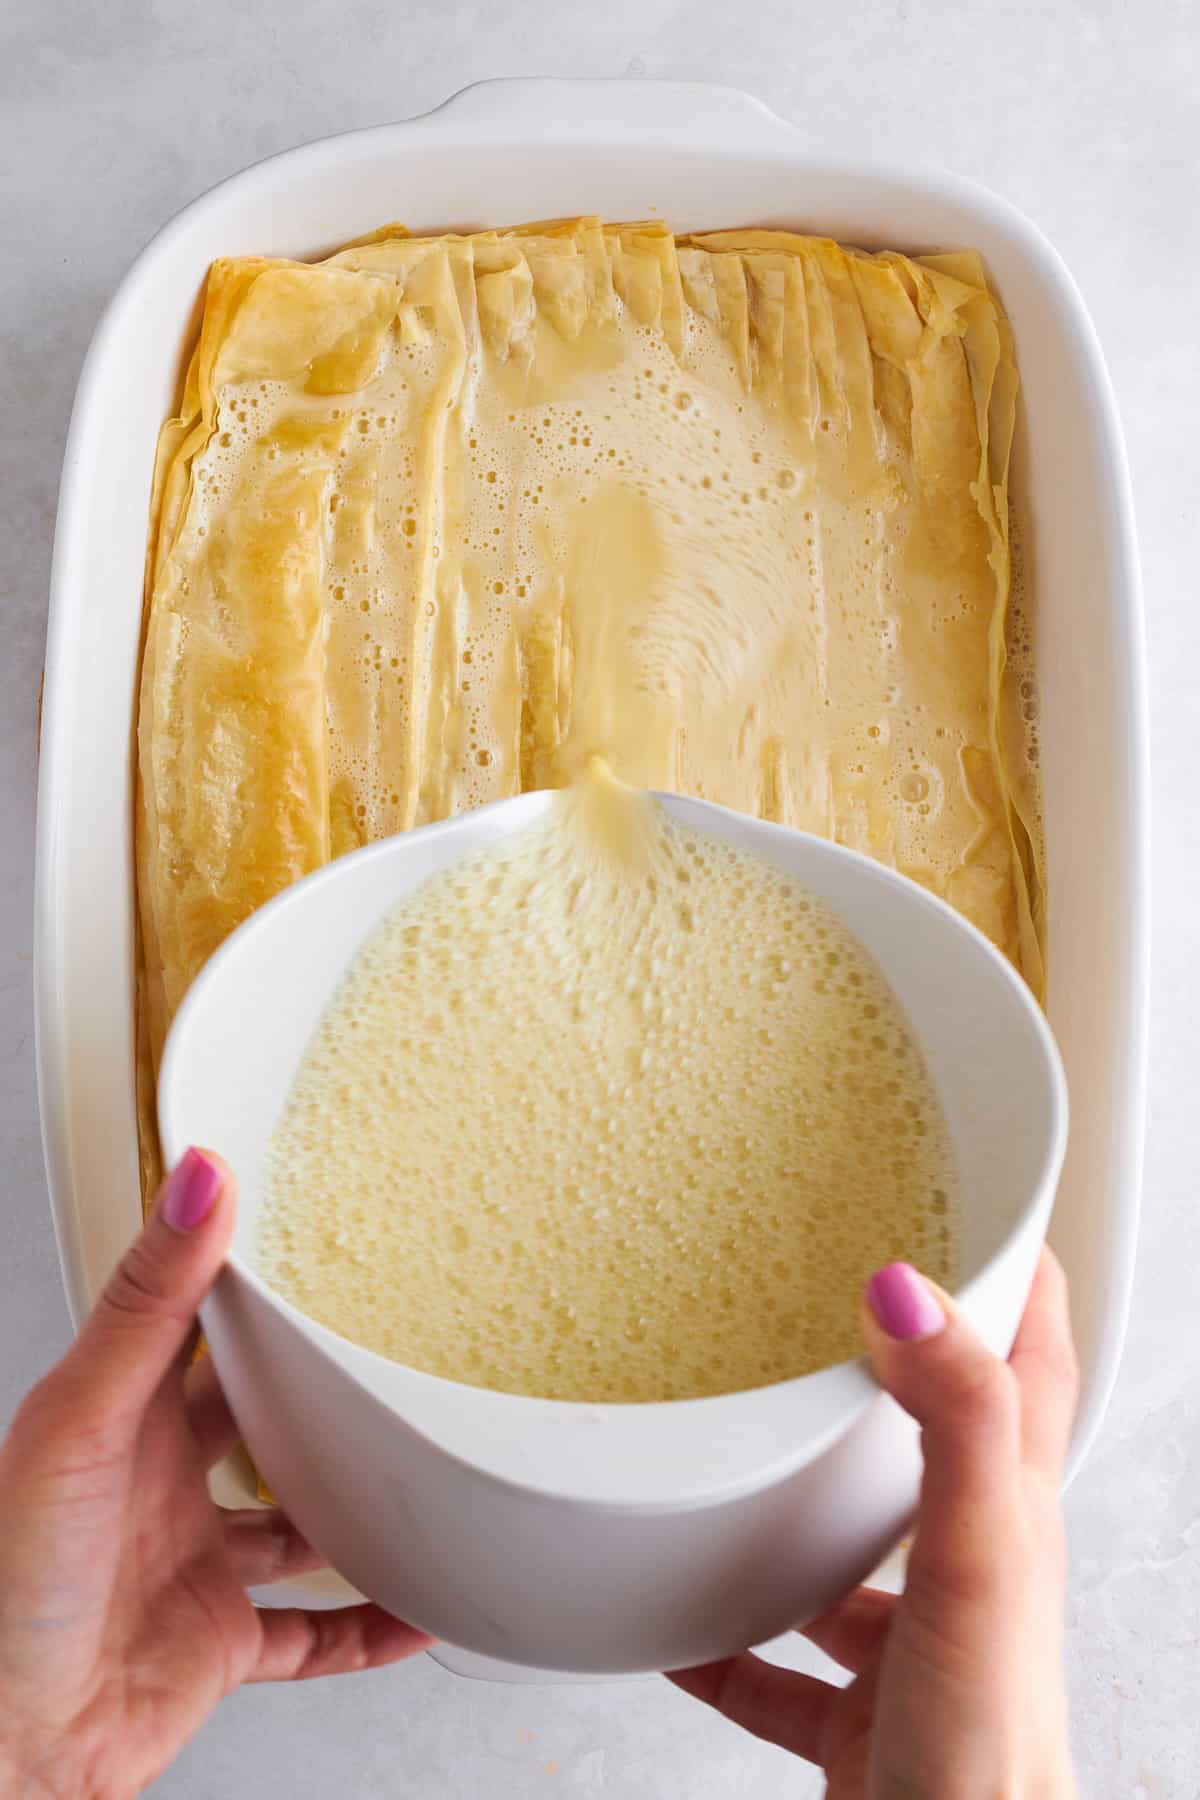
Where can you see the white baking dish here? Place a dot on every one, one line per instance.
(699, 157)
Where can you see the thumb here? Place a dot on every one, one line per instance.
(967, 1404)
(147, 1311)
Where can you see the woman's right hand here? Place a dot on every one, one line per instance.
(957, 1690)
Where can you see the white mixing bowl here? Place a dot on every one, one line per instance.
(598, 1538)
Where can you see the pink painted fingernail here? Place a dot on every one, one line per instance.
(904, 1303)
(191, 1191)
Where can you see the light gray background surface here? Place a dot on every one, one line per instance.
(111, 117)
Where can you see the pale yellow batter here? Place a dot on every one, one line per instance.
(440, 517)
(611, 1112)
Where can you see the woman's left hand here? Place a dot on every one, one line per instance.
(123, 1610)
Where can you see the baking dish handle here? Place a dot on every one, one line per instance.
(718, 116)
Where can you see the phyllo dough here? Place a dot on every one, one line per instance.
(441, 516)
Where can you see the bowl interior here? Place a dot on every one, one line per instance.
(235, 1047)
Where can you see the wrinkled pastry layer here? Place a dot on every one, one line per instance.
(440, 517)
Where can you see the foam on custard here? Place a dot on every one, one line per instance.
(613, 1112)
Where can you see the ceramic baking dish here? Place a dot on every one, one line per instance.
(698, 157)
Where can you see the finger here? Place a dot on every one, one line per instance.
(967, 1405)
(297, 1645)
(147, 1312)
(212, 1424)
(779, 1705)
(854, 1630)
(1044, 1363)
(264, 1546)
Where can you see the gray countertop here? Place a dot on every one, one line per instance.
(111, 117)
